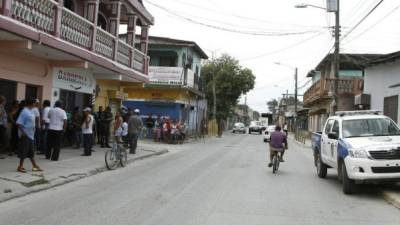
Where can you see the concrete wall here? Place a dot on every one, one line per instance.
(377, 81)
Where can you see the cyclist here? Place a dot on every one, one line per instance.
(278, 143)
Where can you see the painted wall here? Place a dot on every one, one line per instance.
(377, 81)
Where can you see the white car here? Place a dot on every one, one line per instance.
(239, 128)
(267, 133)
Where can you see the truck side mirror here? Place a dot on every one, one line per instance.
(333, 135)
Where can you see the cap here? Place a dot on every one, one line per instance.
(137, 111)
(87, 109)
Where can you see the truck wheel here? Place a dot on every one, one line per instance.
(348, 184)
(322, 169)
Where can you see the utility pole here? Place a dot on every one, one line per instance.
(295, 100)
(336, 58)
(214, 91)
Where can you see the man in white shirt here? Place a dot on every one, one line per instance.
(87, 131)
(45, 126)
(57, 125)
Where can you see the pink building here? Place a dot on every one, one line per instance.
(59, 49)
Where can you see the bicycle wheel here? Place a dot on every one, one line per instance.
(111, 159)
(275, 165)
(123, 156)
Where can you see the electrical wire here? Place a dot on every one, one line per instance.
(255, 33)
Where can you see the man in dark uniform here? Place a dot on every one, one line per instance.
(99, 127)
(105, 121)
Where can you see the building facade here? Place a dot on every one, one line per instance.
(318, 98)
(175, 86)
(382, 86)
(63, 49)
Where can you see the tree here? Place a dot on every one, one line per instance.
(272, 104)
(231, 81)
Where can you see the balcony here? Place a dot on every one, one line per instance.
(320, 90)
(48, 22)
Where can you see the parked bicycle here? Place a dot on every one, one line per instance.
(116, 155)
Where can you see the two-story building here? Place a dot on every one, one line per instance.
(382, 86)
(65, 49)
(175, 85)
(318, 98)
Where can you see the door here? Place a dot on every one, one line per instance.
(334, 143)
(326, 153)
(8, 89)
(31, 92)
(391, 107)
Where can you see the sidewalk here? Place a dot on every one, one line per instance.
(70, 167)
(390, 194)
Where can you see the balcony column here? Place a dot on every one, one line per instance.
(114, 24)
(57, 18)
(130, 38)
(92, 12)
(144, 46)
(6, 8)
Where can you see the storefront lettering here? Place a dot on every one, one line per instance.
(72, 78)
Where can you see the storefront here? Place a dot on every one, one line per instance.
(75, 87)
(110, 93)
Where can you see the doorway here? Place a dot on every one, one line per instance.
(391, 107)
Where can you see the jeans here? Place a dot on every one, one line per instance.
(150, 133)
(54, 138)
(87, 143)
(43, 139)
(133, 143)
(78, 138)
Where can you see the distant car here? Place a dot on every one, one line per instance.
(267, 133)
(239, 128)
(255, 126)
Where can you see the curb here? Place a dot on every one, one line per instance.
(390, 198)
(76, 177)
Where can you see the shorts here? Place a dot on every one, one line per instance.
(25, 148)
(272, 149)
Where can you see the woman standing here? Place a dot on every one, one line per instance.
(117, 130)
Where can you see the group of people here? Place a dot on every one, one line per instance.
(42, 129)
(164, 129)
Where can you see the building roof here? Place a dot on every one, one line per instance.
(153, 40)
(347, 61)
(385, 59)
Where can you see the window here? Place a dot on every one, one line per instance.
(370, 127)
(31, 92)
(167, 61)
(102, 22)
(335, 128)
(328, 126)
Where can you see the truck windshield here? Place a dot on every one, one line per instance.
(369, 127)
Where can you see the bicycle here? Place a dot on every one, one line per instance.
(116, 155)
(275, 162)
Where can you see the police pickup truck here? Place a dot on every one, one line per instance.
(364, 147)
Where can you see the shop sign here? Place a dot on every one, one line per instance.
(166, 75)
(74, 79)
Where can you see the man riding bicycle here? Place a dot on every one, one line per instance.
(278, 144)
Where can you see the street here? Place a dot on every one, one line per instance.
(217, 182)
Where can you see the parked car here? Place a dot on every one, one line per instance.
(255, 126)
(239, 128)
(363, 146)
(267, 133)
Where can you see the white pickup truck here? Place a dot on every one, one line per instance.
(364, 147)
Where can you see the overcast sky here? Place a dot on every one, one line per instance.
(261, 32)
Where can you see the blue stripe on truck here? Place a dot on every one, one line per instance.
(343, 151)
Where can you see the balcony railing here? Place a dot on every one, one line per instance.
(42, 15)
(321, 89)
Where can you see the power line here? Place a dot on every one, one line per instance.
(282, 49)
(363, 19)
(255, 33)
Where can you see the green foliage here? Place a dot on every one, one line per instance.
(272, 104)
(231, 82)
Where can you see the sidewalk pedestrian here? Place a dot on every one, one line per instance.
(285, 129)
(26, 126)
(45, 126)
(135, 125)
(117, 129)
(106, 120)
(77, 124)
(99, 124)
(149, 126)
(57, 125)
(87, 131)
(3, 125)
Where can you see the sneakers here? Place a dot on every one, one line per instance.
(37, 169)
(269, 164)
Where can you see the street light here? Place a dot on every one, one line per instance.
(332, 6)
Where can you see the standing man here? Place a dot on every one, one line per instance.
(150, 126)
(26, 127)
(45, 126)
(99, 125)
(57, 125)
(87, 131)
(77, 124)
(3, 124)
(106, 120)
(135, 125)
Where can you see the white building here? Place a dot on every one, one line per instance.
(382, 85)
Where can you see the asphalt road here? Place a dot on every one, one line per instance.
(223, 181)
